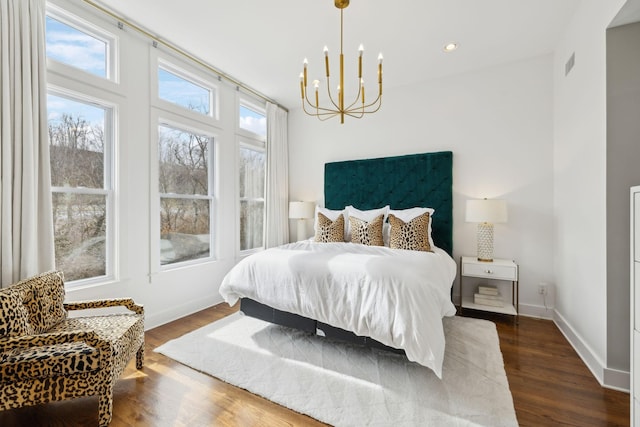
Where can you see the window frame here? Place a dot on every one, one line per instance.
(162, 120)
(254, 141)
(251, 145)
(109, 183)
(112, 68)
(186, 72)
(251, 104)
(167, 113)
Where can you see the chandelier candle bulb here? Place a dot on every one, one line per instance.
(326, 59)
(305, 63)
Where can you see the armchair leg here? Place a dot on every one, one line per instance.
(140, 357)
(105, 407)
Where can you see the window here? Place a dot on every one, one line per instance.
(253, 121)
(80, 143)
(184, 108)
(252, 133)
(81, 129)
(185, 194)
(184, 92)
(79, 45)
(252, 187)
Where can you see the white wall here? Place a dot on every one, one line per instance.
(580, 183)
(498, 123)
(623, 153)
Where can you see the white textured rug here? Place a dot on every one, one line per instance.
(347, 385)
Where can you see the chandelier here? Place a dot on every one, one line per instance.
(358, 107)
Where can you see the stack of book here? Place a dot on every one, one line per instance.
(488, 295)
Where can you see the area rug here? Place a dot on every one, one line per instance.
(347, 385)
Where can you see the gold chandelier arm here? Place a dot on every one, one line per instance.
(357, 100)
(377, 101)
(306, 98)
(329, 93)
(356, 116)
(320, 116)
(329, 116)
(325, 111)
(362, 110)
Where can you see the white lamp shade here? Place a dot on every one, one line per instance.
(301, 210)
(491, 211)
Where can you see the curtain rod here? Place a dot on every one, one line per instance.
(183, 53)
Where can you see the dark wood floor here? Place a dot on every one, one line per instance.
(550, 386)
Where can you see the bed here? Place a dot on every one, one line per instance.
(327, 288)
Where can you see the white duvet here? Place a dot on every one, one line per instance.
(394, 296)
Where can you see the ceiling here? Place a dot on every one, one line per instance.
(262, 43)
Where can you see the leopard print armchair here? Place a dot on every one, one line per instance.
(46, 355)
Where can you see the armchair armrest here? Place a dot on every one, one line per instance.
(52, 338)
(104, 303)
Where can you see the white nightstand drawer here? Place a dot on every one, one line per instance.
(490, 270)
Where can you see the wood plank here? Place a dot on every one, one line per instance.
(550, 386)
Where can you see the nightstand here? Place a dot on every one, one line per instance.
(498, 269)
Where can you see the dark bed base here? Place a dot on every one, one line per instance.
(264, 312)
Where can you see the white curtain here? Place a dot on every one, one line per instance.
(277, 191)
(26, 223)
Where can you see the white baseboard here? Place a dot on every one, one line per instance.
(607, 377)
(617, 380)
(176, 312)
(537, 311)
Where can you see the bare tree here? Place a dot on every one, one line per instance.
(77, 160)
(183, 170)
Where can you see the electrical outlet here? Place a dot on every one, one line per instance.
(542, 289)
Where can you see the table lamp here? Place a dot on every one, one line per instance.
(486, 213)
(301, 211)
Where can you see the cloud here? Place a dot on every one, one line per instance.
(254, 124)
(185, 94)
(75, 48)
(57, 106)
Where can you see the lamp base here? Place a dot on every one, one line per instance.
(302, 230)
(485, 242)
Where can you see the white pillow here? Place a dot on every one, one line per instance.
(368, 216)
(386, 233)
(332, 215)
(407, 215)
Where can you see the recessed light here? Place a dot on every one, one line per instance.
(450, 47)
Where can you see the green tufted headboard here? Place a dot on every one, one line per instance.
(403, 182)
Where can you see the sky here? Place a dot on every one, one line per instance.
(70, 46)
(81, 50)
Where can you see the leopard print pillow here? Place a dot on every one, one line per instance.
(329, 231)
(14, 317)
(367, 233)
(43, 297)
(412, 235)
